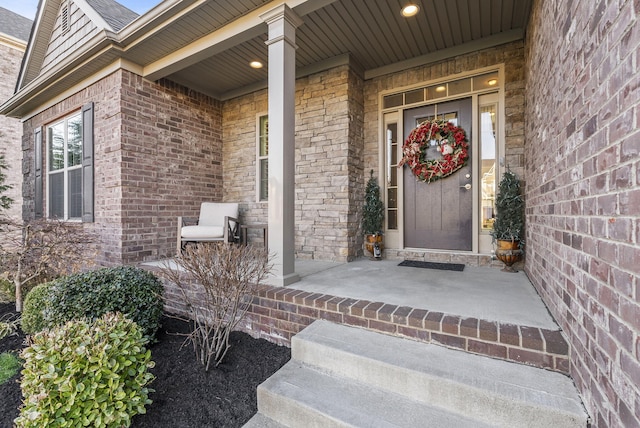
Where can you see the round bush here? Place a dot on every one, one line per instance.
(133, 291)
(86, 374)
(36, 305)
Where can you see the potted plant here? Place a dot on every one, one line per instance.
(508, 227)
(373, 217)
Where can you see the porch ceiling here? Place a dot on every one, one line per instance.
(371, 34)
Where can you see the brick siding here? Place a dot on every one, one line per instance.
(583, 193)
(157, 156)
(11, 129)
(277, 314)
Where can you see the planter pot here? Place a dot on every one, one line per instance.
(370, 242)
(508, 252)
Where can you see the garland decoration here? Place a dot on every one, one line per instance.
(450, 140)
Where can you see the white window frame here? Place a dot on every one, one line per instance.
(66, 169)
(260, 158)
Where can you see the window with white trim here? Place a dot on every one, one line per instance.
(64, 168)
(262, 159)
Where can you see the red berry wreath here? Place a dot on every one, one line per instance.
(450, 140)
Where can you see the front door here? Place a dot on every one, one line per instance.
(438, 215)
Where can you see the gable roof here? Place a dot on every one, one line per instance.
(107, 15)
(115, 15)
(14, 25)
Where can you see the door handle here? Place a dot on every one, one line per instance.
(466, 186)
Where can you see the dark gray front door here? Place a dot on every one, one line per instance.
(438, 215)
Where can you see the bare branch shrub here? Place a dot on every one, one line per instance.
(41, 250)
(217, 282)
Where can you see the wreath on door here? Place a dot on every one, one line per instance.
(450, 140)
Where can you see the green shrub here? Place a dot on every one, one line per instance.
(36, 305)
(86, 374)
(133, 291)
(9, 366)
(8, 326)
(7, 290)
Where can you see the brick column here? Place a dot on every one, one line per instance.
(282, 22)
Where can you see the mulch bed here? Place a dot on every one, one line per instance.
(185, 395)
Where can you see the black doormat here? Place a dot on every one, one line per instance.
(432, 265)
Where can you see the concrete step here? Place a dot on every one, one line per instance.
(344, 376)
(300, 396)
(261, 421)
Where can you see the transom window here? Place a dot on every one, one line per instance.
(64, 154)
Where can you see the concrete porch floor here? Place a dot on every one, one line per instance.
(479, 292)
(480, 310)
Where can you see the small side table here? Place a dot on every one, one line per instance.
(263, 226)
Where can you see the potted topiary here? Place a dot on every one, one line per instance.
(508, 227)
(373, 217)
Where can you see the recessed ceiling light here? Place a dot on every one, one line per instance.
(492, 82)
(410, 10)
(255, 64)
(441, 88)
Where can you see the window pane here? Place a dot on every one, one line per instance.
(460, 86)
(392, 101)
(486, 81)
(56, 147)
(392, 219)
(74, 141)
(487, 165)
(439, 91)
(416, 96)
(264, 179)
(75, 193)
(392, 197)
(450, 117)
(56, 195)
(264, 136)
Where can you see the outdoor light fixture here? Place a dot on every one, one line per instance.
(441, 88)
(410, 10)
(492, 82)
(255, 64)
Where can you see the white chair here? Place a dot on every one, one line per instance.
(217, 222)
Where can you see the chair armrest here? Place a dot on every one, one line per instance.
(187, 221)
(231, 233)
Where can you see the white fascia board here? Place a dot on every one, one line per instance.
(12, 42)
(119, 64)
(98, 45)
(43, 4)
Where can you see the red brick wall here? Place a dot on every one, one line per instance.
(10, 129)
(157, 156)
(172, 162)
(583, 192)
(277, 314)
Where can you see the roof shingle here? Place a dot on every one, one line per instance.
(115, 14)
(15, 25)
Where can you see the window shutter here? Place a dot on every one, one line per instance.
(87, 163)
(38, 201)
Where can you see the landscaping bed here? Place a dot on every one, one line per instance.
(185, 395)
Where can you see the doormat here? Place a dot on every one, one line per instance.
(432, 265)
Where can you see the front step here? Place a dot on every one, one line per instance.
(301, 396)
(344, 376)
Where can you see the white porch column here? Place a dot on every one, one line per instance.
(282, 22)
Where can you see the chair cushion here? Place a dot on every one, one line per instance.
(202, 232)
(213, 213)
